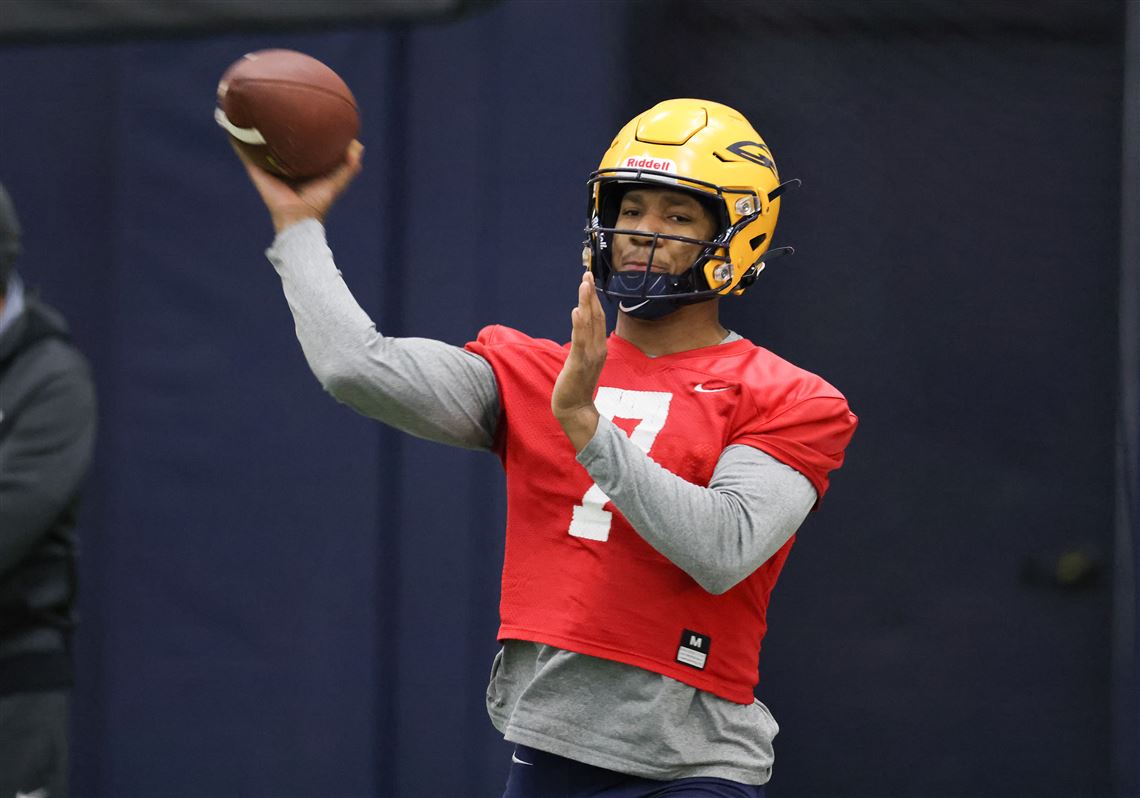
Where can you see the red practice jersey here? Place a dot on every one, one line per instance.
(575, 574)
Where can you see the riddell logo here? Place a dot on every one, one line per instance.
(647, 162)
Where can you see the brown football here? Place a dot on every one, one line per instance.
(288, 111)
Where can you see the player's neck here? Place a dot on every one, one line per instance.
(689, 327)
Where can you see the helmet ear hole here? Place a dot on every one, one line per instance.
(757, 241)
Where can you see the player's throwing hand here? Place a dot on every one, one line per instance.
(572, 400)
(290, 201)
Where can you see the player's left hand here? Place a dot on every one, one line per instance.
(573, 398)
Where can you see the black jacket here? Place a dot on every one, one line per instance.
(47, 433)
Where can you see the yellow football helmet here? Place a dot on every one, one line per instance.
(712, 151)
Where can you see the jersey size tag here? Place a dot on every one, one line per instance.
(694, 649)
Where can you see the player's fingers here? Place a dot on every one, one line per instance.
(595, 318)
(593, 309)
(354, 155)
(593, 304)
(264, 182)
(277, 195)
(588, 332)
(594, 298)
(238, 151)
(254, 171)
(349, 168)
(579, 316)
(584, 293)
(578, 338)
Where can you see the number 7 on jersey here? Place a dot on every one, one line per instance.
(650, 409)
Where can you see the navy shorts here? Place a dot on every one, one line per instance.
(537, 774)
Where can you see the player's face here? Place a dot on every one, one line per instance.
(660, 210)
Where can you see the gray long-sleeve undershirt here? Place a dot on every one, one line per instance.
(717, 534)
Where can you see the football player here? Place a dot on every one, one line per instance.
(677, 460)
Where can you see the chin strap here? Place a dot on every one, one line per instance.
(750, 276)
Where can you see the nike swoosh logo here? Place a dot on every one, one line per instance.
(621, 306)
(518, 761)
(700, 388)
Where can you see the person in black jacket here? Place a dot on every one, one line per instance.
(47, 433)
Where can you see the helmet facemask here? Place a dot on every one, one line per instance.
(643, 292)
(646, 294)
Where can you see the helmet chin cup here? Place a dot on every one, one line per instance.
(648, 310)
(650, 295)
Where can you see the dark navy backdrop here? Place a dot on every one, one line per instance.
(283, 599)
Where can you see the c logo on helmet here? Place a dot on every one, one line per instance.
(759, 157)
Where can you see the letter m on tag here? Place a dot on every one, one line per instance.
(694, 649)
